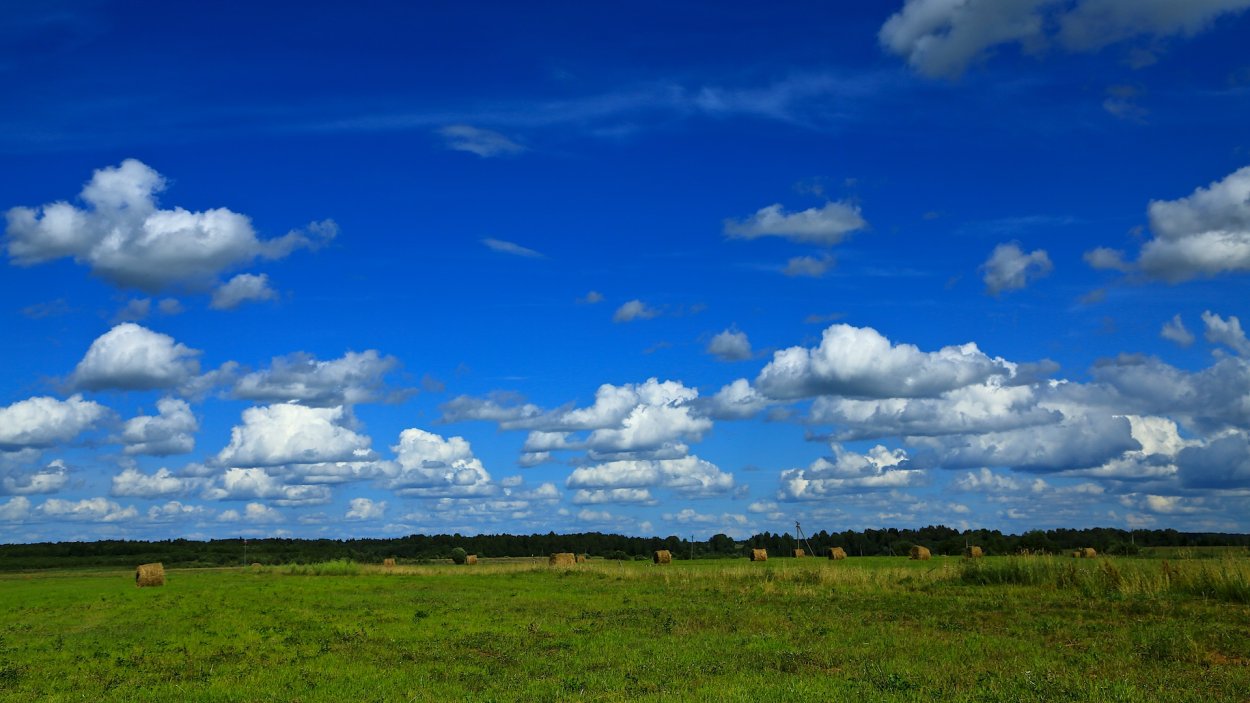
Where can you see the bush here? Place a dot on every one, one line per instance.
(458, 555)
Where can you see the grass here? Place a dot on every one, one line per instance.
(877, 629)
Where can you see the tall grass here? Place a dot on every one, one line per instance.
(1227, 580)
(337, 567)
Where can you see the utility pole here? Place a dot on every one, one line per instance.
(692, 547)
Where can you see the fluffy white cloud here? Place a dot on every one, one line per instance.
(993, 405)
(135, 483)
(301, 378)
(171, 431)
(730, 345)
(613, 495)
(133, 357)
(243, 288)
(430, 465)
(245, 484)
(1204, 234)
(825, 225)
(688, 475)
(88, 509)
(508, 410)
(174, 511)
(634, 310)
(848, 472)
(16, 510)
(475, 140)
(48, 479)
(43, 421)
(125, 238)
(808, 266)
(941, 37)
(293, 434)
(736, 401)
(257, 513)
(365, 509)
(1009, 268)
(860, 362)
(1175, 331)
(1227, 332)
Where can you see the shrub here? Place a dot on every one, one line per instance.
(458, 555)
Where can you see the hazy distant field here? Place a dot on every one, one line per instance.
(865, 629)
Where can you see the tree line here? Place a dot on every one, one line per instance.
(422, 548)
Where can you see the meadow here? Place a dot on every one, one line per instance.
(868, 628)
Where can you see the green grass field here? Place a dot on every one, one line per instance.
(1001, 629)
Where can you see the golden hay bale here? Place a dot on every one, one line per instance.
(150, 575)
(759, 555)
(581, 558)
(562, 559)
(388, 562)
(257, 565)
(973, 552)
(919, 552)
(837, 553)
(662, 556)
(470, 559)
(799, 554)
(1076, 554)
(1088, 553)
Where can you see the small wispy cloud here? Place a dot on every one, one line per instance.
(483, 142)
(513, 248)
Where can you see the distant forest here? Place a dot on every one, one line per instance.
(422, 548)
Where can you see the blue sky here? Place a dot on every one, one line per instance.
(387, 269)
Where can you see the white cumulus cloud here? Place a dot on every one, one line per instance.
(123, 236)
(133, 357)
(43, 421)
(171, 431)
(1009, 268)
(730, 345)
(825, 225)
(243, 288)
(356, 377)
(365, 509)
(859, 362)
(293, 434)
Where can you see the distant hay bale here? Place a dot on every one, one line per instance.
(799, 554)
(1076, 554)
(973, 552)
(470, 559)
(150, 575)
(562, 559)
(581, 558)
(256, 565)
(388, 562)
(1088, 553)
(837, 553)
(919, 552)
(759, 555)
(662, 556)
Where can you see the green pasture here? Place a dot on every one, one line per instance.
(875, 629)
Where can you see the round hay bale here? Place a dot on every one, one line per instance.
(662, 556)
(1088, 553)
(919, 552)
(799, 554)
(150, 575)
(973, 552)
(470, 559)
(257, 565)
(837, 553)
(562, 559)
(759, 555)
(581, 558)
(388, 562)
